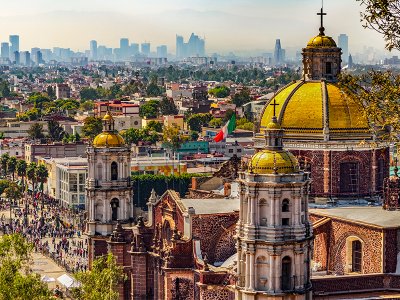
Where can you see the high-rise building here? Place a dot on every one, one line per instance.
(162, 51)
(124, 48)
(179, 47)
(34, 52)
(14, 41)
(343, 42)
(38, 57)
(134, 48)
(278, 57)
(194, 47)
(93, 50)
(145, 49)
(25, 58)
(15, 57)
(5, 50)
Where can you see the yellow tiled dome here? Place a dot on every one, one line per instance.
(107, 117)
(269, 161)
(108, 139)
(303, 110)
(321, 41)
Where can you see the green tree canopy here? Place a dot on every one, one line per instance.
(92, 126)
(215, 122)
(4, 89)
(38, 99)
(56, 132)
(4, 162)
(154, 126)
(101, 282)
(196, 121)
(16, 278)
(89, 94)
(36, 131)
(150, 109)
(220, 91)
(11, 165)
(168, 107)
(242, 97)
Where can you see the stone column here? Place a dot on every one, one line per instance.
(272, 273)
(247, 285)
(327, 173)
(278, 272)
(252, 271)
(374, 172)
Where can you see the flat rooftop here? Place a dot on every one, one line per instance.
(212, 206)
(374, 216)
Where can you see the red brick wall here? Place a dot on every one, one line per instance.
(337, 233)
(390, 237)
(139, 276)
(333, 160)
(209, 229)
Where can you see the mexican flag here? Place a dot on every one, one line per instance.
(227, 129)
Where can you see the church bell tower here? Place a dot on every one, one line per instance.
(108, 186)
(274, 236)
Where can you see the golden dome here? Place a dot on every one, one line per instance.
(107, 117)
(321, 41)
(269, 161)
(300, 111)
(108, 139)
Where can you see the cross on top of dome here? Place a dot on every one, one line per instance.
(322, 14)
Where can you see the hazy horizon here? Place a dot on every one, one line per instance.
(234, 25)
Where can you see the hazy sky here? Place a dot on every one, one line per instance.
(237, 25)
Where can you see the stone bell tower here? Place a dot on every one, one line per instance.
(108, 186)
(274, 236)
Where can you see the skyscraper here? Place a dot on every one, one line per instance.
(93, 50)
(343, 42)
(5, 50)
(278, 52)
(14, 41)
(145, 49)
(124, 47)
(179, 46)
(134, 48)
(162, 51)
(194, 47)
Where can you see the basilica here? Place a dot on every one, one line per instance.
(262, 241)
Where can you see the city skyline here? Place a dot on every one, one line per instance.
(225, 25)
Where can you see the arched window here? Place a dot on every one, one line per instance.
(356, 256)
(349, 177)
(114, 209)
(285, 205)
(114, 171)
(286, 283)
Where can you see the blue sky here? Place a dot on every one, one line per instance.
(239, 25)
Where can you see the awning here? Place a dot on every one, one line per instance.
(68, 281)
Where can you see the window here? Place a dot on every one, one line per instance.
(356, 256)
(328, 68)
(230, 150)
(285, 222)
(136, 122)
(381, 174)
(114, 171)
(349, 177)
(239, 150)
(114, 209)
(285, 205)
(286, 283)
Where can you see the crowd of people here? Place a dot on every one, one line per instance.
(54, 231)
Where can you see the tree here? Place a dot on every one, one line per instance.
(150, 109)
(89, 94)
(56, 132)
(41, 177)
(17, 281)
(173, 138)
(11, 166)
(154, 126)
(87, 105)
(13, 193)
(242, 97)
(21, 171)
(31, 175)
(101, 282)
(4, 161)
(36, 131)
(92, 126)
(196, 121)
(168, 107)
(51, 93)
(4, 89)
(4, 183)
(215, 122)
(220, 91)
(383, 16)
(153, 90)
(194, 135)
(38, 99)
(228, 114)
